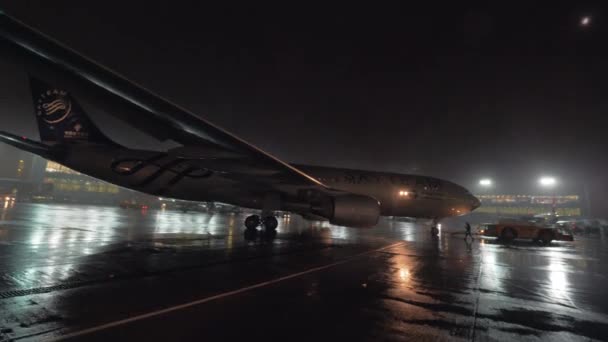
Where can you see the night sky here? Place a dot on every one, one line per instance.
(510, 91)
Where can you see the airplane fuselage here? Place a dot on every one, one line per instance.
(164, 174)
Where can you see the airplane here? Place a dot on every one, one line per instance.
(209, 164)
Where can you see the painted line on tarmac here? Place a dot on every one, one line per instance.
(216, 297)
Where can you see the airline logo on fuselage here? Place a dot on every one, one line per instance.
(54, 106)
(426, 183)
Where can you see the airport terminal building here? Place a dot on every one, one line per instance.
(522, 204)
(66, 185)
(28, 177)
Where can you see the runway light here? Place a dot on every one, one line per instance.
(403, 193)
(485, 182)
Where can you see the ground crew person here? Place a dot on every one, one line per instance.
(467, 226)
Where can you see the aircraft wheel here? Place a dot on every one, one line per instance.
(271, 223)
(252, 222)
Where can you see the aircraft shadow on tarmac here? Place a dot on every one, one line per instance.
(306, 235)
(253, 234)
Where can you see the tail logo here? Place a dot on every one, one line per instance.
(54, 106)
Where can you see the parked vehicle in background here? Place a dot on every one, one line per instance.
(511, 230)
(581, 226)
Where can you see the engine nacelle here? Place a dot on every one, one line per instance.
(355, 211)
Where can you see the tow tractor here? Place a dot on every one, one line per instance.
(510, 230)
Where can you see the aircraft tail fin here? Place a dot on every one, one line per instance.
(61, 119)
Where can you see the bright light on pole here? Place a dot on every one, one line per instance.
(485, 182)
(547, 181)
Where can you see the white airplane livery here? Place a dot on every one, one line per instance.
(209, 164)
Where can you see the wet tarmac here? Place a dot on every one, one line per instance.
(105, 273)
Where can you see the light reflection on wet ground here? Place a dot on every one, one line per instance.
(61, 264)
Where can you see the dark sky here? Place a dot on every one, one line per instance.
(510, 91)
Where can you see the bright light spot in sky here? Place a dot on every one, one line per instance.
(585, 21)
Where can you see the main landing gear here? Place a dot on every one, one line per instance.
(271, 202)
(269, 222)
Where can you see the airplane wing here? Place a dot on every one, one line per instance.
(48, 59)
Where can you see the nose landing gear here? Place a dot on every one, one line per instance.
(434, 228)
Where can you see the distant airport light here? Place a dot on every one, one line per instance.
(547, 181)
(485, 182)
(403, 193)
